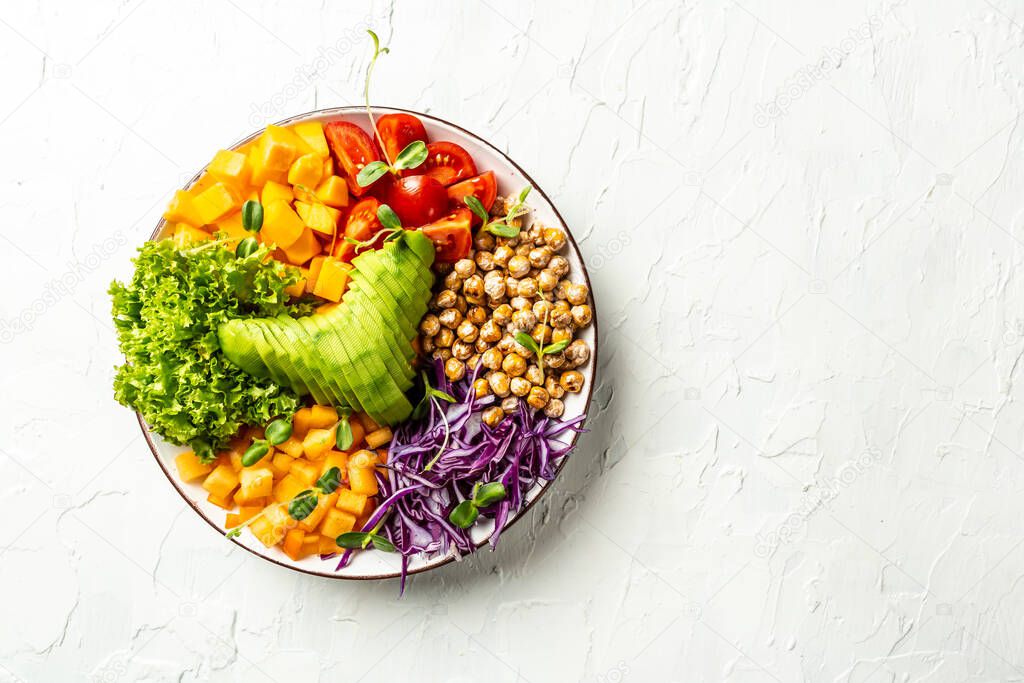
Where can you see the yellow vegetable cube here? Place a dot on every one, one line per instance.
(379, 437)
(182, 210)
(255, 482)
(312, 133)
(281, 225)
(185, 234)
(302, 249)
(333, 191)
(306, 170)
(190, 467)
(352, 503)
(221, 502)
(310, 545)
(299, 288)
(292, 545)
(332, 279)
(289, 487)
(221, 481)
(275, 191)
(322, 417)
(216, 202)
(231, 168)
(287, 136)
(300, 422)
(276, 150)
(361, 475)
(292, 447)
(281, 464)
(318, 442)
(305, 471)
(368, 423)
(319, 217)
(328, 167)
(314, 273)
(271, 528)
(323, 504)
(337, 459)
(337, 522)
(231, 225)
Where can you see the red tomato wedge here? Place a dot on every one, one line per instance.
(484, 187)
(452, 236)
(352, 149)
(447, 163)
(397, 131)
(417, 200)
(361, 225)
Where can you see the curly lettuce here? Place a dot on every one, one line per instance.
(166, 317)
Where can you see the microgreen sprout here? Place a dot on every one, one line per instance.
(431, 396)
(465, 514)
(252, 215)
(391, 230)
(414, 154)
(502, 227)
(247, 247)
(361, 540)
(343, 436)
(303, 504)
(256, 452)
(539, 350)
(279, 431)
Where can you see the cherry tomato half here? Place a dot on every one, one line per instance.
(397, 131)
(352, 149)
(447, 163)
(361, 224)
(417, 200)
(451, 235)
(484, 187)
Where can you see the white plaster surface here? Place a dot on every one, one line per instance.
(803, 222)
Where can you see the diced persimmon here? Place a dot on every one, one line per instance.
(361, 474)
(336, 522)
(281, 225)
(323, 504)
(292, 447)
(322, 417)
(221, 481)
(302, 249)
(305, 471)
(292, 545)
(288, 487)
(318, 442)
(190, 467)
(300, 422)
(182, 210)
(332, 279)
(256, 482)
(221, 501)
(276, 191)
(352, 503)
(378, 437)
(337, 459)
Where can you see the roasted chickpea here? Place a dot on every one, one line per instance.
(547, 280)
(571, 381)
(554, 408)
(553, 388)
(444, 338)
(490, 332)
(502, 254)
(467, 331)
(518, 266)
(577, 353)
(527, 287)
(561, 290)
(519, 386)
(534, 375)
(484, 260)
(540, 257)
(577, 294)
(554, 238)
(491, 358)
(524, 321)
(510, 405)
(542, 334)
(561, 314)
(484, 241)
(514, 365)
(582, 315)
(511, 287)
(538, 397)
(464, 267)
(462, 350)
(507, 344)
(461, 304)
(520, 303)
(542, 309)
(476, 315)
(453, 281)
(443, 355)
(481, 345)
(481, 387)
(427, 344)
(494, 287)
(502, 315)
(473, 361)
(430, 325)
(442, 269)
(561, 334)
(493, 416)
(524, 250)
(450, 318)
(473, 286)
(454, 369)
(499, 383)
(559, 265)
(445, 298)
(555, 361)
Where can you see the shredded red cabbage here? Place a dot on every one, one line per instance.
(521, 451)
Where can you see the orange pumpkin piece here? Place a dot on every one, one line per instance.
(292, 545)
(352, 503)
(337, 522)
(190, 467)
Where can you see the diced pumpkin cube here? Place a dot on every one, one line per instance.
(231, 168)
(216, 202)
(281, 464)
(302, 249)
(236, 461)
(289, 137)
(289, 487)
(378, 437)
(324, 309)
(332, 280)
(337, 522)
(292, 447)
(248, 511)
(317, 443)
(275, 192)
(337, 459)
(232, 520)
(323, 504)
(300, 422)
(182, 210)
(185, 234)
(310, 545)
(368, 423)
(327, 546)
(319, 217)
(314, 273)
(333, 191)
(224, 502)
(281, 225)
(322, 417)
(312, 133)
(299, 288)
(305, 471)
(292, 545)
(277, 149)
(350, 502)
(361, 474)
(328, 167)
(255, 482)
(306, 170)
(271, 528)
(221, 481)
(358, 434)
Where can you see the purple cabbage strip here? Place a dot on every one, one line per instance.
(519, 452)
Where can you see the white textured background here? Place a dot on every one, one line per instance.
(804, 226)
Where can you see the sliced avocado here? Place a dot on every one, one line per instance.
(294, 352)
(388, 313)
(321, 333)
(379, 280)
(379, 394)
(238, 345)
(270, 359)
(283, 358)
(372, 321)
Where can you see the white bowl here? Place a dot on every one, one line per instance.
(375, 564)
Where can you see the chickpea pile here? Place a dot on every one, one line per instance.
(510, 285)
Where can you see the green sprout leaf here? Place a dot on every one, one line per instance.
(247, 247)
(343, 437)
(524, 193)
(414, 154)
(357, 540)
(556, 347)
(329, 481)
(369, 174)
(529, 342)
(254, 453)
(464, 514)
(502, 230)
(302, 505)
(489, 494)
(252, 215)
(476, 207)
(279, 431)
(388, 218)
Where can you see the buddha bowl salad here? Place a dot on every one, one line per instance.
(363, 346)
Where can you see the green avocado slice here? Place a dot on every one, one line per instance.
(265, 349)
(284, 357)
(296, 347)
(239, 346)
(374, 324)
(320, 332)
(384, 284)
(381, 397)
